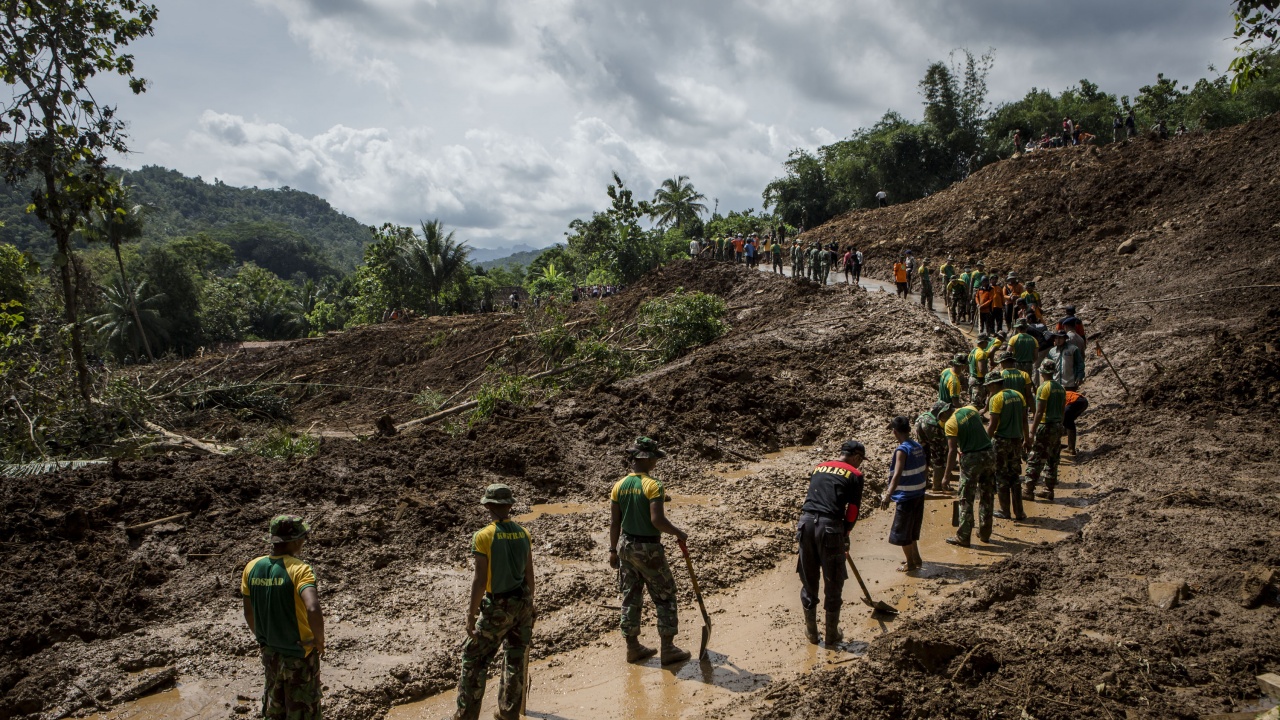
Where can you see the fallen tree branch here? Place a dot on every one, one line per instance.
(201, 446)
(153, 523)
(442, 414)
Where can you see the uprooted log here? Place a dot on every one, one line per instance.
(470, 404)
(183, 442)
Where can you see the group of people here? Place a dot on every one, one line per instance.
(997, 423)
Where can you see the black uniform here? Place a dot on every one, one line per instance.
(827, 516)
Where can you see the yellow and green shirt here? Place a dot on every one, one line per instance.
(1015, 379)
(1012, 409)
(274, 585)
(965, 425)
(947, 271)
(1023, 347)
(634, 493)
(1053, 398)
(506, 545)
(949, 387)
(976, 356)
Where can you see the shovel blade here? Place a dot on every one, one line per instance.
(706, 636)
(884, 607)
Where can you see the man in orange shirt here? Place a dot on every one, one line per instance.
(900, 277)
(997, 306)
(738, 244)
(982, 297)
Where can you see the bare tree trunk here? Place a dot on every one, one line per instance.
(70, 299)
(133, 303)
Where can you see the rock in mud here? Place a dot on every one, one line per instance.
(1168, 595)
(1258, 583)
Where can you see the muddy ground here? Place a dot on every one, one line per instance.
(1180, 472)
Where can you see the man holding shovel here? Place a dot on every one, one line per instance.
(636, 523)
(830, 509)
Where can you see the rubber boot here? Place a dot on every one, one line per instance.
(811, 625)
(1003, 496)
(1018, 513)
(1029, 490)
(671, 653)
(833, 636)
(636, 651)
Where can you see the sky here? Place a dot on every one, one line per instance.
(505, 119)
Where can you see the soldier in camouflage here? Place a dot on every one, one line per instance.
(637, 519)
(1006, 428)
(291, 642)
(967, 442)
(501, 611)
(1045, 443)
(930, 436)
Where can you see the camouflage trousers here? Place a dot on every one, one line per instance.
(976, 392)
(977, 480)
(1046, 451)
(292, 690)
(936, 454)
(644, 565)
(502, 620)
(1008, 462)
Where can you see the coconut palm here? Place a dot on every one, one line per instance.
(114, 220)
(435, 261)
(677, 203)
(129, 317)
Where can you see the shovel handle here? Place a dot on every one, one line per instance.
(857, 575)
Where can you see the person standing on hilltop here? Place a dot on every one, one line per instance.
(1131, 125)
(282, 610)
(637, 519)
(501, 611)
(827, 516)
(882, 199)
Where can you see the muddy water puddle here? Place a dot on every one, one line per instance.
(757, 633)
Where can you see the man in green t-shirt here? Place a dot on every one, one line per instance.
(1014, 379)
(501, 610)
(967, 439)
(978, 368)
(637, 520)
(1045, 444)
(950, 388)
(282, 609)
(1006, 427)
(1024, 347)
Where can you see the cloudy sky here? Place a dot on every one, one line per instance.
(505, 118)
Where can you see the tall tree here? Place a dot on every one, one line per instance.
(676, 203)
(56, 128)
(439, 260)
(115, 220)
(1258, 30)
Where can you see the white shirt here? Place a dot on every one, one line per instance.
(694, 246)
(881, 195)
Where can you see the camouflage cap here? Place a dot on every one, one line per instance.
(498, 494)
(940, 408)
(1020, 322)
(287, 528)
(1005, 357)
(993, 378)
(960, 359)
(1031, 283)
(644, 448)
(1048, 366)
(983, 337)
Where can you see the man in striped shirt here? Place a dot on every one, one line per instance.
(907, 482)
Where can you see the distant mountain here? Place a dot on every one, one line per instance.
(524, 257)
(181, 206)
(481, 255)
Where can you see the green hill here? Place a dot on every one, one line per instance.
(520, 258)
(267, 226)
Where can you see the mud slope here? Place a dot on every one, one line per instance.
(393, 515)
(1182, 470)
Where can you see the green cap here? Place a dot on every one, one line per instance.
(287, 528)
(498, 494)
(993, 378)
(940, 408)
(960, 360)
(1021, 322)
(645, 448)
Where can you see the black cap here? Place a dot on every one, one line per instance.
(900, 423)
(849, 447)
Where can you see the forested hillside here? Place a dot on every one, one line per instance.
(265, 226)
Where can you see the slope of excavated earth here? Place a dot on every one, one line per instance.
(1183, 466)
(88, 603)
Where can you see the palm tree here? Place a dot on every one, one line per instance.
(677, 203)
(129, 317)
(436, 261)
(115, 221)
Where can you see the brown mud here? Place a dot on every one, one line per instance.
(1180, 472)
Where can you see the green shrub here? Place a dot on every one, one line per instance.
(677, 323)
(514, 389)
(282, 444)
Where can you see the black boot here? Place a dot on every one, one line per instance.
(636, 651)
(833, 636)
(811, 625)
(671, 653)
(1003, 496)
(1018, 513)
